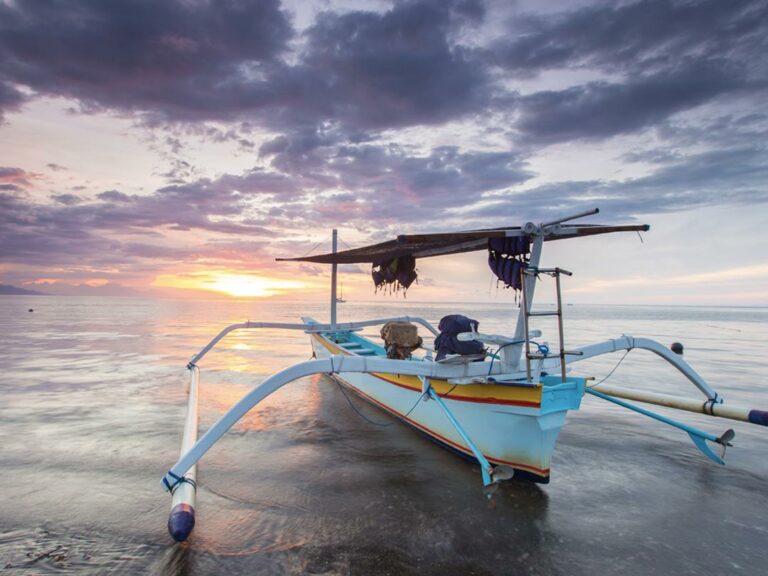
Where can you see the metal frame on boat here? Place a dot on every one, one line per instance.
(505, 413)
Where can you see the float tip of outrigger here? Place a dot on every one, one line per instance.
(181, 521)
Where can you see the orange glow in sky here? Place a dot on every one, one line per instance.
(231, 284)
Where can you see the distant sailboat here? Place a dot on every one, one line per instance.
(340, 297)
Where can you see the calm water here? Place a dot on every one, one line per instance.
(93, 404)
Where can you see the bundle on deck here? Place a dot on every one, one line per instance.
(447, 343)
(400, 339)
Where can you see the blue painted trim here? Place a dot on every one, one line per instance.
(559, 396)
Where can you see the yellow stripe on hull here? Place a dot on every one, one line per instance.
(529, 397)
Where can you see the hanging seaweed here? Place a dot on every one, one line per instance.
(395, 273)
(507, 258)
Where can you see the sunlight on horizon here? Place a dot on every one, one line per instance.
(231, 284)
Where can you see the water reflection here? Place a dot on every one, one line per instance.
(175, 561)
(93, 406)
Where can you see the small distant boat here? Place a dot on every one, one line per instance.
(498, 400)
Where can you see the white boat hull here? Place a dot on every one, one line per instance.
(511, 425)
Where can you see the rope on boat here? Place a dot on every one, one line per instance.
(364, 417)
(178, 480)
(543, 349)
(612, 371)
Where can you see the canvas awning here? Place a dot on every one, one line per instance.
(428, 245)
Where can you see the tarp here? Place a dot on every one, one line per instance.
(428, 245)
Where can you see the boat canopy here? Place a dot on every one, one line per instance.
(428, 245)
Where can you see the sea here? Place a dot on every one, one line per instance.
(93, 405)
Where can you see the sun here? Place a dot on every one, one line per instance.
(232, 284)
(251, 286)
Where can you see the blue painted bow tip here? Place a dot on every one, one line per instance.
(181, 522)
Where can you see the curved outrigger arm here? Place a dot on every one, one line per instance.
(331, 365)
(630, 342)
(713, 406)
(309, 327)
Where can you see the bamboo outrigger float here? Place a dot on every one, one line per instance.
(503, 410)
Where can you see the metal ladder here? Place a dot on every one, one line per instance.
(528, 313)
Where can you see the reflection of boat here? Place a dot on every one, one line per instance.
(503, 408)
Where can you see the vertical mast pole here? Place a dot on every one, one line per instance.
(334, 273)
(512, 354)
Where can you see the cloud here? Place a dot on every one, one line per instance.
(384, 119)
(16, 176)
(713, 178)
(659, 58)
(11, 99)
(73, 230)
(195, 61)
(170, 56)
(603, 109)
(396, 68)
(67, 199)
(634, 37)
(360, 72)
(390, 183)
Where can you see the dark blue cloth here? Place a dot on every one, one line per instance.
(447, 342)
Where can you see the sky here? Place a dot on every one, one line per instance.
(176, 148)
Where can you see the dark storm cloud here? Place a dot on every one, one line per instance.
(391, 182)
(635, 36)
(335, 96)
(71, 229)
(732, 177)
(67, 199)
(396, 68)
(603, 109)
(364, 71)
(671, 56)
(10, 98)
(196, 61)
(172, 56)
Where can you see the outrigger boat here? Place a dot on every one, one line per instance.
(503, 409)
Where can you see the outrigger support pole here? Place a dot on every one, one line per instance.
(490, 474)
(331, 365)
(181, 520)
(697, 436)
